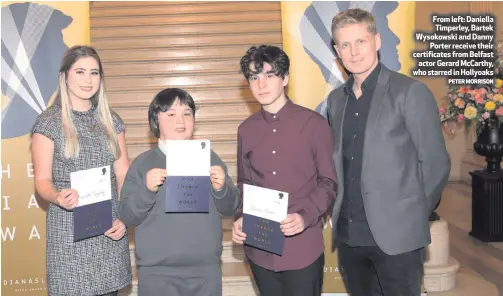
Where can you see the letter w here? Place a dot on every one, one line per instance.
(8, 233)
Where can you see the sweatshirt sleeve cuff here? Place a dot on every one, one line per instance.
(147, 197)
(220, 194)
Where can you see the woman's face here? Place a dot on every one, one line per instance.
(177, 123)
(83, 79)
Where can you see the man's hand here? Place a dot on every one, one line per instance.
(292, 225)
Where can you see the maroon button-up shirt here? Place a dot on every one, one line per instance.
(290, 151)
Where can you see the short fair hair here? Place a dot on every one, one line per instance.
(351, 17)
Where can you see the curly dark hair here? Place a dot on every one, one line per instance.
(269, 54)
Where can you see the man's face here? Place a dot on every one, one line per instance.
(357, 48)
(265, 86)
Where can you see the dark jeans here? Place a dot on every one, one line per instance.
(303, 282)
(368, 271)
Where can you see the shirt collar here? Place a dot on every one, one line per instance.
(162, 146)
(369, 82)
(282, 113)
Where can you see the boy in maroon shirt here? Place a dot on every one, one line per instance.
(289, 148)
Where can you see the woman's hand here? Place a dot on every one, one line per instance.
(68, 198)
(117, 231)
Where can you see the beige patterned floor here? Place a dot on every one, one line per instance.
(481, 272)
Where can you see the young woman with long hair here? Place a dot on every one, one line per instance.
(80, 132)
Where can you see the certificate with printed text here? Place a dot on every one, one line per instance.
(93, 214)
(263, 210)
(188, 184)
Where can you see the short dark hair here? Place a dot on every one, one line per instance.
(270, 54)
(163, 101)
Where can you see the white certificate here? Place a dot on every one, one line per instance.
(188, 157)
(93, 185)
(265, 203)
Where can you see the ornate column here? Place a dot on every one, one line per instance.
(472, 161)
(440, 268)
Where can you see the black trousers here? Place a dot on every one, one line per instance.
(368, 271)
(303, 282)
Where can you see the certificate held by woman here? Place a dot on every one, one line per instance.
(93, 214)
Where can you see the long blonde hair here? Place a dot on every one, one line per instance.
(72, 147)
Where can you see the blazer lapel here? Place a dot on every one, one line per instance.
(375, 110)
(339, 111)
